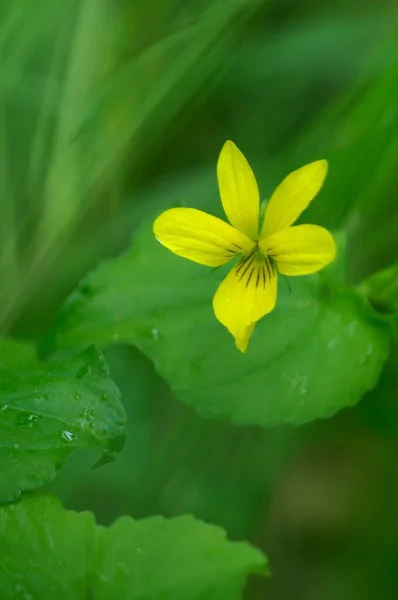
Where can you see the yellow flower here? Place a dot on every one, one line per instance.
(249, 290)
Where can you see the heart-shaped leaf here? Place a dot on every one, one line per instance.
(318, 351)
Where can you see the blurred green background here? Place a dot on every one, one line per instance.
(111, 110)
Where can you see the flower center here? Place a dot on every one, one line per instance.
(255, 267)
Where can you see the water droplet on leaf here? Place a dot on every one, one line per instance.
(67, 435)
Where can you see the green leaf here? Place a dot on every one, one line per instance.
(45, 550)
(179, 558)
(50, 410)
(319, 350)
(64, 555)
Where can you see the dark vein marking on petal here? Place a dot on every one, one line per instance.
(250, 276)
(241, 262)
(263, 274)
(258, 277)
(246, 268)
(268, 268)
(272, 263)
(239, 265)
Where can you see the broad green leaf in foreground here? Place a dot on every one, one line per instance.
(45, 550)
(180, 558)
(64, 555)
(319, 350)
(48, 411)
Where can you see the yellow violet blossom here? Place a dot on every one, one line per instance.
(249, 290)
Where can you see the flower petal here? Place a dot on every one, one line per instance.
(300, 250)
(200, 237)
(238, 190)
(293, 196)
(246, 294)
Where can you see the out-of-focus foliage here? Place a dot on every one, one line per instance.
(113, 110)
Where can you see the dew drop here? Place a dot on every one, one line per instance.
(67, 435)
(86, 418)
